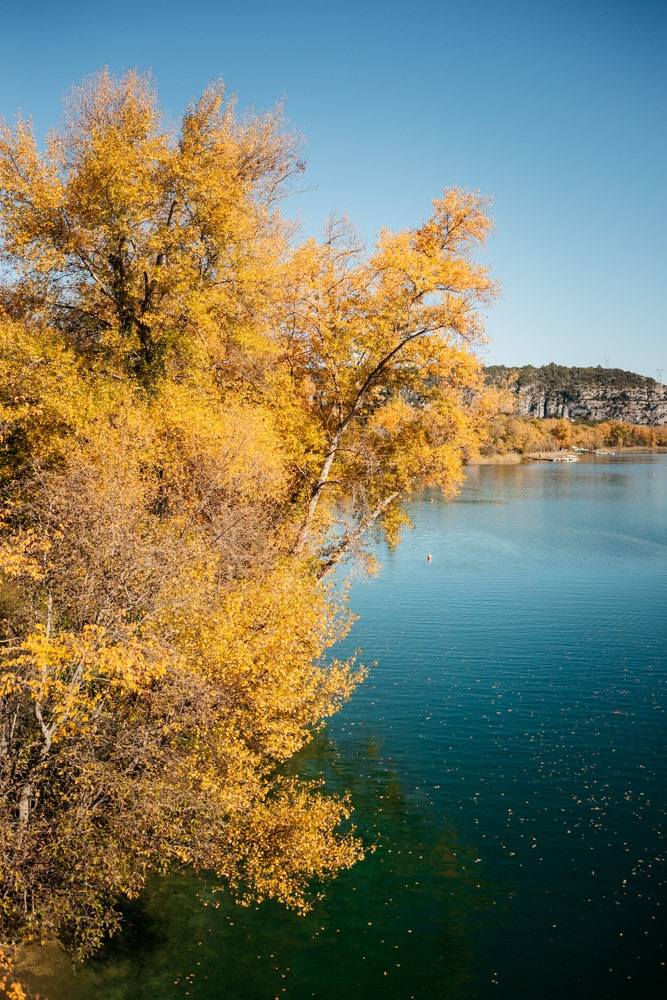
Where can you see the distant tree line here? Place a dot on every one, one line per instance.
(554, 378)
(524, 435)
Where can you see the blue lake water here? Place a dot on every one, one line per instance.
(506, 757)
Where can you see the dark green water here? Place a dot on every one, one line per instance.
(506, 756)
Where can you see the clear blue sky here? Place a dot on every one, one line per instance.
(557, 109)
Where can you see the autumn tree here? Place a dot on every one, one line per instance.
(134, 241)
(199, 417)
(381, 346)
(161, 653)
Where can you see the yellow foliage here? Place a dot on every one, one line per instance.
(199, 418)
(9, 986)
(383, 346)
(140, 242)
(300, 820)
(525, 435)
(23, 555)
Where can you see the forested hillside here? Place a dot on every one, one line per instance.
(200, 416)
(583, 393)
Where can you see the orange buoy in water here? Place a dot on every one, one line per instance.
(428, 557)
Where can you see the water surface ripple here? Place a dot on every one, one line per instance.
(506, 756)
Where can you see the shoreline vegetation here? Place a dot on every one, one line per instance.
(189, 396)
(515, 458)
(513, 439)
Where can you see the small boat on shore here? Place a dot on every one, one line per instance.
(554, 456)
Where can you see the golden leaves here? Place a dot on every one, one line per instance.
(122, 228)
(383, 346)
(197, 421)
(299, 819)
(23, 554)
(10, 987)
(48, 662)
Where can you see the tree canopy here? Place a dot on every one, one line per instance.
(200, 416)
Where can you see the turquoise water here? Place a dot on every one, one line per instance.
(506, 757)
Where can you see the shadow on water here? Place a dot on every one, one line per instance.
(398, 925)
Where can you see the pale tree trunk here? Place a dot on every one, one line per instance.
(47, 730)
(350, 540)
(325, 472)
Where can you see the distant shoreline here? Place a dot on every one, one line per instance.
(516, 458)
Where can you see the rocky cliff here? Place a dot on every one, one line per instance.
(584, 393)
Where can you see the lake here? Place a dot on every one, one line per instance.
(506, 758)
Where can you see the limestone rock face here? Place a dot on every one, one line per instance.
(584, 393)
